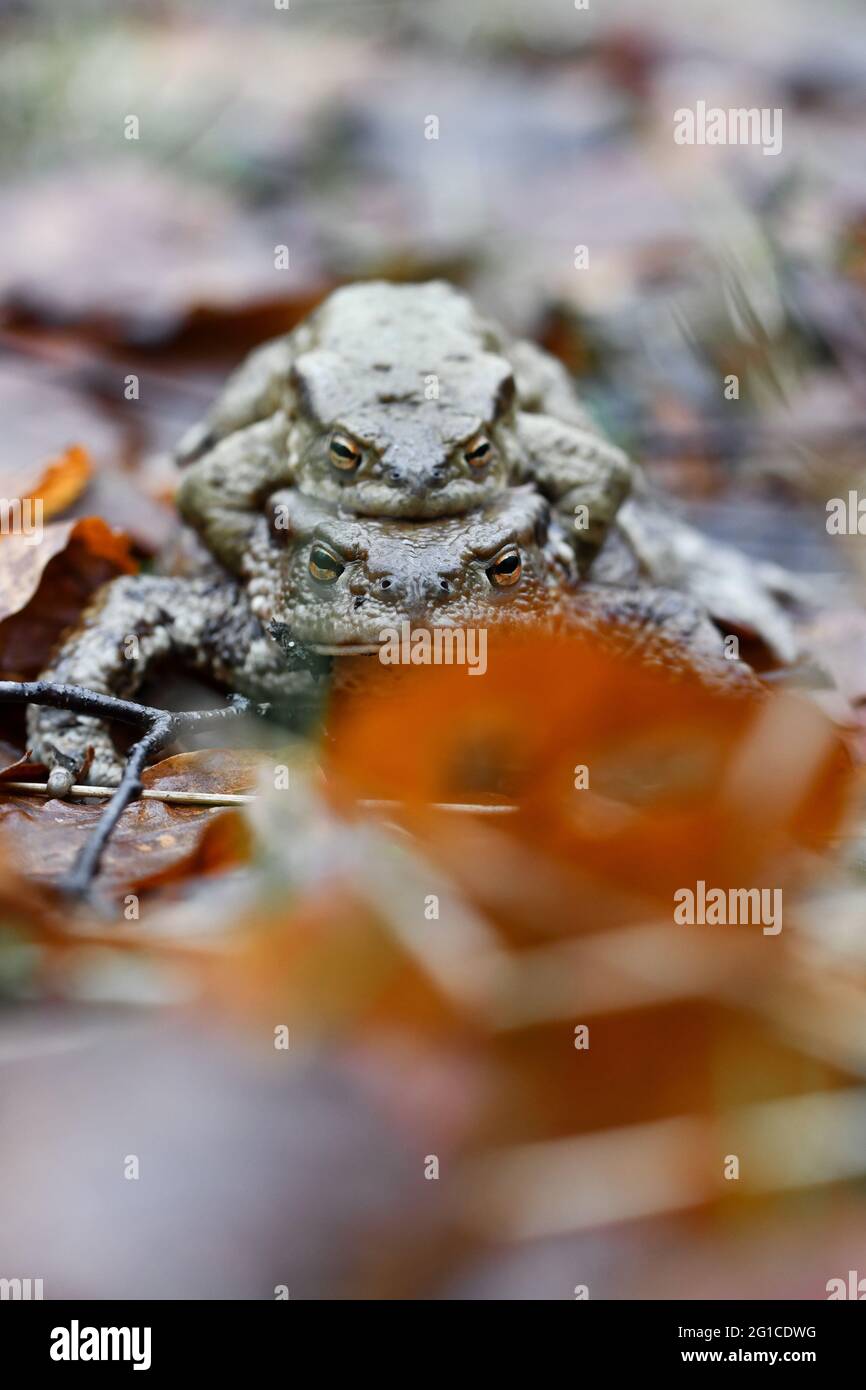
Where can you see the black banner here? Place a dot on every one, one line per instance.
(155, 1339)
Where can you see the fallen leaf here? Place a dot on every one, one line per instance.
(45, 586)
(63, 481)
(28, 913)
(155, 842)
(21, 769)
(58, 484)
(209, 770)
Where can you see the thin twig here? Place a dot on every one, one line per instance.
(83, 793)
(193, 798)
(467, 808)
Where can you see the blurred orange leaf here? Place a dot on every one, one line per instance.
(63, 481)
(639, 783)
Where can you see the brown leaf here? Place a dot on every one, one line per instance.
(209, 770)
(44, 587)
(155, 842)
(20, 769)
(27, 910)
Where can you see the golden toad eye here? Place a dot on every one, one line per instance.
(505, 570)
(345, 452)
(478, 452)
(324, 565)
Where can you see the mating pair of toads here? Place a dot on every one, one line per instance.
(398, 459)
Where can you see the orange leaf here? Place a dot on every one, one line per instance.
(63, 481)
(683, 783)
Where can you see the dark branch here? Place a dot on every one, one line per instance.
(160, 727)
(78, 699)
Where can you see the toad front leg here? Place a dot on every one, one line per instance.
(132, 624)
(584, 477)
(222, 493)
(135, 623)
(123, 633)
(563, 452)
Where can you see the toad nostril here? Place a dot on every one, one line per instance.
(394, 475)
(358, 601)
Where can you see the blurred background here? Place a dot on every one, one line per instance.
(438, 1125)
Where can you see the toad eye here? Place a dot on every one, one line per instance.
(506, 569)
(324, 565)
(478, 452)
(345, 452)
